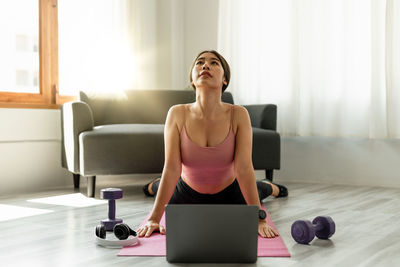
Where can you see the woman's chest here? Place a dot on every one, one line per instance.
(208, 134)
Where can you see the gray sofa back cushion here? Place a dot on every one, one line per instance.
(138, 106)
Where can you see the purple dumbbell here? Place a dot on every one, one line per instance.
(304, 231)
(111, 194)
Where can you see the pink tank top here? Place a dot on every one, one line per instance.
(207, 165)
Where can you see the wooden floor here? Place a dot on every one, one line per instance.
(367, 228)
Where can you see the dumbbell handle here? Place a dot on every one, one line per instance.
(111, 209)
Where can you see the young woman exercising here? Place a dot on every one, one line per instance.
(204, 164)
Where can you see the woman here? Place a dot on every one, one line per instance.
(204, 164)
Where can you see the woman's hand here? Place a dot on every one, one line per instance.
(265, 230)
(147, 229)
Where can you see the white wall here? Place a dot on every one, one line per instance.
(176, 31)
(340, 161)
(30, 150)
(30, 138)
(201, 30)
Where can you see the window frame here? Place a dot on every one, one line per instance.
(48, 97)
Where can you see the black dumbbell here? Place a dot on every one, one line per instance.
(304, 231)
(111, 194)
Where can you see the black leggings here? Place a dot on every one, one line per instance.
(232, 194)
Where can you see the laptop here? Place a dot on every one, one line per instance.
(211, 233)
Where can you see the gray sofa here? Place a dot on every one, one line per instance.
(123, 134)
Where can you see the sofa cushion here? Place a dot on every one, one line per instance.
(122, 149)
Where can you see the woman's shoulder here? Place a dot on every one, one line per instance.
(240, 116)
(176, 113)
(239, 111)
(177, 109)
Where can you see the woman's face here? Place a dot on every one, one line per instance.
(208, 72)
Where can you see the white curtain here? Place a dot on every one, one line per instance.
(331, 66)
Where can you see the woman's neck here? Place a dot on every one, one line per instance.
(208, 103)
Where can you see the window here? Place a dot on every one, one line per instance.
(29, 53)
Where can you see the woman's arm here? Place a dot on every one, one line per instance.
(243, 166)
(170, 175)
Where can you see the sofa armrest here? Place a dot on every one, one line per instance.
(76, 117)
(262, 116)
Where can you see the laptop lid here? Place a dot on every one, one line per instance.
(211, 233)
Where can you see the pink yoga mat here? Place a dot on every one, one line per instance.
(155, 245)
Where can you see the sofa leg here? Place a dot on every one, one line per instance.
(91, 185)
(76, 180)
(269, 174)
